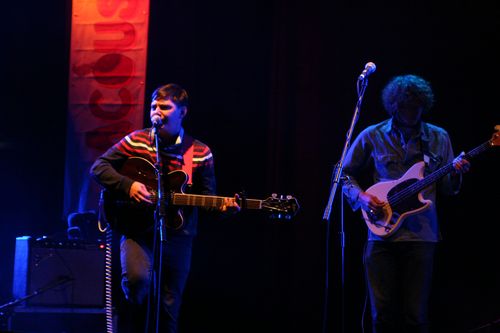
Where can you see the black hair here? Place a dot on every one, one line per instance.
(407, 91)
(171, 91)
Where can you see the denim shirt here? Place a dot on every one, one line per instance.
(380, 153)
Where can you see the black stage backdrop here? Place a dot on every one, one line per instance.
(273, 89)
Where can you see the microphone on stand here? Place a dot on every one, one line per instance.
(156, 121)
(370, 67)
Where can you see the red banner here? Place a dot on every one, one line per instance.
(107, 78)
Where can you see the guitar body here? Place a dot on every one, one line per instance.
(389, 220)
(129, 217)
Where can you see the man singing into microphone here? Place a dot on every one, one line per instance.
(398, 267)
(178, 150)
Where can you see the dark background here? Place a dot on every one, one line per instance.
(273, 89)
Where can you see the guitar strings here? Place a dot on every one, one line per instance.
(423, 183)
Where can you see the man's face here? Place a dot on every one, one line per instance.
(409, 115)
(171, 115)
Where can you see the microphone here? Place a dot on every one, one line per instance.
(369, 68)
(156, 120)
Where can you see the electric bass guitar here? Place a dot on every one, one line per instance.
(129, 217)
(403, 196)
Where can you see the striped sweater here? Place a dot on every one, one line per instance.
(140, 143)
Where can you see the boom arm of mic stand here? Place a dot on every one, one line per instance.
(340, 165)
(61, 281)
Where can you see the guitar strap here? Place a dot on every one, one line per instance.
(187, 157)
(424, 146)
(427, 155)
(425, 151)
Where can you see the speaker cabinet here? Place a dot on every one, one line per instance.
(59, 273)
(33, 319)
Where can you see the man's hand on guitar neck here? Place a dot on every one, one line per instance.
(460, 164)
(139, 192)
(230, 205)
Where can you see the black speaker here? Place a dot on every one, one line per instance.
(59, 273)
(46, 319)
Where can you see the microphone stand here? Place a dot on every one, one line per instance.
(160, 227)
(337, 176)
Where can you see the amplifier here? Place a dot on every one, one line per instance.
(62, 273)
(44, 319)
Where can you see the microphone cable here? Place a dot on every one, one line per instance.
(108, 271)
(109, 285)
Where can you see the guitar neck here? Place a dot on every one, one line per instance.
(198, 200)
(440, 173)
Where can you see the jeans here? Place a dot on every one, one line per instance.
(136, 260)
(399, 276)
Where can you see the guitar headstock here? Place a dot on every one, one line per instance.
(495, 139)
(281, 206)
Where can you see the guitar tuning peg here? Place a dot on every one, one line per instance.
(274, 195)
(289, 196)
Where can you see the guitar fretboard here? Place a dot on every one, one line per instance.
(198, 200)
(435, 176)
